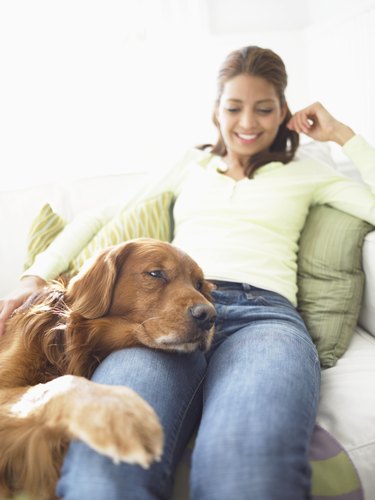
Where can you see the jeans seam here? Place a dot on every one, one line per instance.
(179, 426)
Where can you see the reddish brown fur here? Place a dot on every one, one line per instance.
(139, 293)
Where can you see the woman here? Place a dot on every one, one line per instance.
(239, 211)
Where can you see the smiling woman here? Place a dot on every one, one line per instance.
(249, 121)
(251, 113)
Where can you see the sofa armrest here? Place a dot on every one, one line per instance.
(367, 315)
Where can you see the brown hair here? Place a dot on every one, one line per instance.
(263, 63)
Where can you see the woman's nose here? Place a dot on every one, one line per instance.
(248, 120)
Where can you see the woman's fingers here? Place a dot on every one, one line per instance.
(7, 307)
(301, 122)
(15, 299)
(316, 122)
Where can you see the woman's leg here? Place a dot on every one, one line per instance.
(172, 384)
(260, 401)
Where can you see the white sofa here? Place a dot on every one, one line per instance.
(347, 406)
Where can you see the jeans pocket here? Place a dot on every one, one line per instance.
(226, 297)
(257, 299)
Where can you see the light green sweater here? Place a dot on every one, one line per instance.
(245, 230)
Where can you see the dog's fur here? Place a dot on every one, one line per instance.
(143, 292)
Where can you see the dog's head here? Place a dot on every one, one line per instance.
(154, 286)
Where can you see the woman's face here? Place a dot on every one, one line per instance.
(249, 115)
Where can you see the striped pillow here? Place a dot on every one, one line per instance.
(43, 230)
(330, 279)
(150, 218)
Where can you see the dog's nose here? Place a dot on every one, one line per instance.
(204, 315)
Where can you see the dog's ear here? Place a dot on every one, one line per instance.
(89, 293)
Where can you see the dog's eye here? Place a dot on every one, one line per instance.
(157, 273)
(199, 285)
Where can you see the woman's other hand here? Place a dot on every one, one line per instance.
(316, 122)
(15, 299)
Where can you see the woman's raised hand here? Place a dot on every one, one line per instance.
(316, 122)
(15, 299)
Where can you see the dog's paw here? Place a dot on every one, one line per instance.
(118, 423)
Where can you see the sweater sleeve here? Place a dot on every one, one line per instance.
(363, 156)
(354, 198)
(67, 245)
(55, 259)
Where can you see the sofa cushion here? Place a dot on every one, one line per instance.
(331, 279)
(347, 406)
(367, 314)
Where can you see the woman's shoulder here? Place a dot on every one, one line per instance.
(313, 159)
(319, 152)
(199, 156)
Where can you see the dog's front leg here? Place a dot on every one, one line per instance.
(37, 422)
(113, 420)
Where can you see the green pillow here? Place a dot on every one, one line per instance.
(330, 279)
(44, 229)
(151, 218)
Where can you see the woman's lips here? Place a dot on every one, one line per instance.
(247, 138)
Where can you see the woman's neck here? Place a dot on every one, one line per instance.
(235, 168)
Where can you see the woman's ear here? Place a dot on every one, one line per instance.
(215, 115)
(89, 293)
(284, 112)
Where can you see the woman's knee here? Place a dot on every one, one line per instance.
(172, 385)
(261, 393)
(144, 366)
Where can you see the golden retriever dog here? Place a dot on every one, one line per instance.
(140, 293)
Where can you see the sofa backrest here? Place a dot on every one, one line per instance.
(19, 207)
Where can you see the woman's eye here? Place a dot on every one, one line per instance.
(232, 110)
(265, 111)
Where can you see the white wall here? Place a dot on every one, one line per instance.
(94, 86)
(341, 55)
(255, 16)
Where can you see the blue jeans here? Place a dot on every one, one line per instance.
(255, 394)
